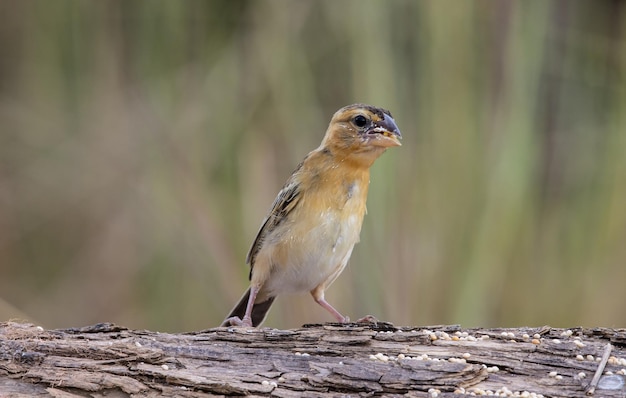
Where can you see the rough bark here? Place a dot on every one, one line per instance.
(315, 360)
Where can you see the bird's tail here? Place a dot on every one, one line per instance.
(259, 310)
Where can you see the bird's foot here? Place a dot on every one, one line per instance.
(236, 321)
(368, 319)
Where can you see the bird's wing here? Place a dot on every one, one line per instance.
(285, 202)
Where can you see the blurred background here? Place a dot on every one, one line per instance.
(142, 143)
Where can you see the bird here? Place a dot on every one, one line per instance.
(306, 239)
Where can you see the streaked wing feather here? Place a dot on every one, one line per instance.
(284, 203)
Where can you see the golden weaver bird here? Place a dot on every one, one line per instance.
(307, 238)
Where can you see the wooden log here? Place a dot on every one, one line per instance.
(315, 361)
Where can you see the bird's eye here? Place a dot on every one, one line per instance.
(360, 121)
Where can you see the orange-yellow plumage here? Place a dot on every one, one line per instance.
(308, 236)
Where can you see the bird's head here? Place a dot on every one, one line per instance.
(361, 130)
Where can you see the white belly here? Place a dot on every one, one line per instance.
(315, 256)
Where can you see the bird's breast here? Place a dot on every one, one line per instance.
(317, 243)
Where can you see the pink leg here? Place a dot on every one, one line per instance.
(319, 299)
(247, 318)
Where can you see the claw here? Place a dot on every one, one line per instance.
(236, 321)
(368, 319)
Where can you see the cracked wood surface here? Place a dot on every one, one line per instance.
(315, 360)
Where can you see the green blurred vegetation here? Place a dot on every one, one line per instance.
(142, 142)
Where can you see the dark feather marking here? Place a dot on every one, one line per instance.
(380, 112)
(350, 190)
(284, 203)
(259, 310)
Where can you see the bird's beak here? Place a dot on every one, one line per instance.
(385, 133)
